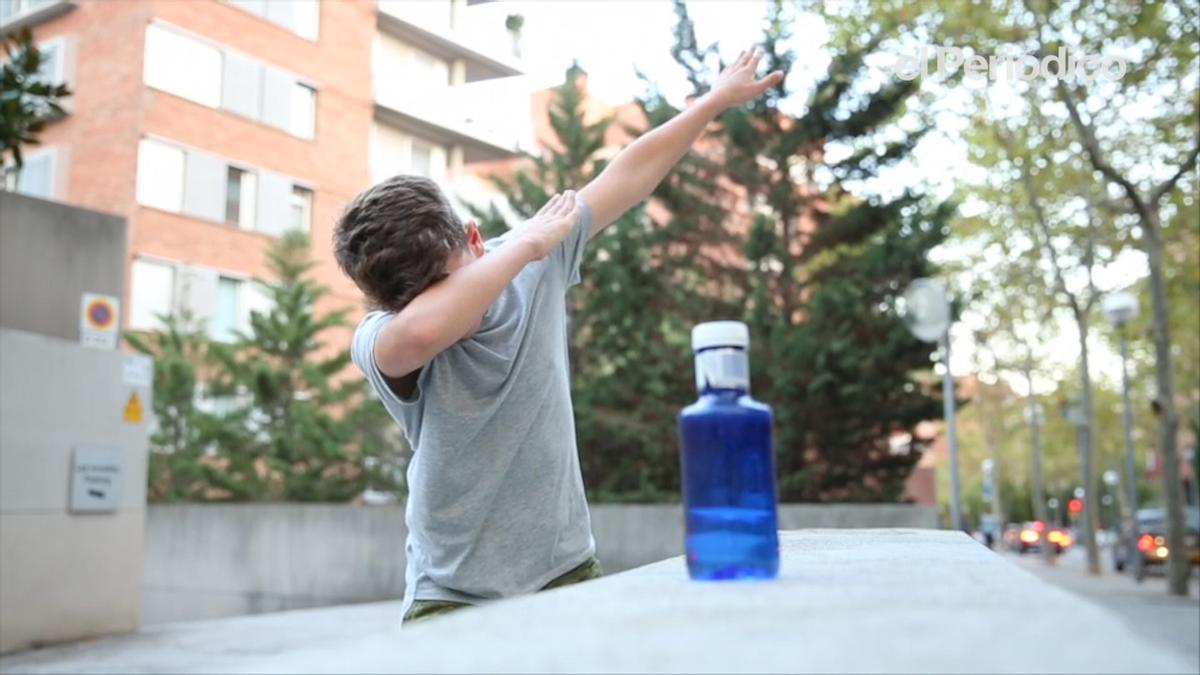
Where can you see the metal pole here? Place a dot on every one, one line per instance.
(951, 433)
(1130, 462)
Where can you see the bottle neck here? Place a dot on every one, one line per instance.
(722, 370)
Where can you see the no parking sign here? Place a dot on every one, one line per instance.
(99, 319)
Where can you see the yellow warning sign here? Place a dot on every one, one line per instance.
(133, 409)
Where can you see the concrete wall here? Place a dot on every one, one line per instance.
(208, 560)
(63, 575)
(51, 254)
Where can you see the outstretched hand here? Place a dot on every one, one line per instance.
(738, 84)
(551, 224)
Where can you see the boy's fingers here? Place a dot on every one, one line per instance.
(738, 61)
(756, 57)
(770, 81)
(566, 203)
(549, 207)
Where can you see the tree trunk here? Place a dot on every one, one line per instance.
(1168, 420)
(1039, 490)
(1091, 506)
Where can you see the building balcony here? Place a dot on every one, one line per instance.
(445, 30)
(490, 119)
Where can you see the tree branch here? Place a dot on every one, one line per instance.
(1168, 184)
(1040, 219)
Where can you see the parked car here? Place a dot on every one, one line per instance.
(1032, 535)
(1151, 548)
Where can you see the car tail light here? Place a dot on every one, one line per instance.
(1029, 536)
(1066, 540)
(1054, 537)
(1145, 543)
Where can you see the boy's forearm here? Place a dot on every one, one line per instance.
(639, 168)
(449, 310)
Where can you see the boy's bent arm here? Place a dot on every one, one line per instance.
(451, 309)
(639, 168)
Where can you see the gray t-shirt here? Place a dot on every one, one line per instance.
(496, 505)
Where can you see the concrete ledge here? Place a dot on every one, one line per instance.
(846, 601)
(863, 601)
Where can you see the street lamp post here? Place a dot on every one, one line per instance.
(926, 310)
(1119, 309)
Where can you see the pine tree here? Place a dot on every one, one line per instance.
(299, 428)
(830, 352)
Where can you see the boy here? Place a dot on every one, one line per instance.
(468, 352)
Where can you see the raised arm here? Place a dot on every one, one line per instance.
(451, 309)
(639, 168)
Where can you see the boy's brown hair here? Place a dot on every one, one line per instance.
(394, 239)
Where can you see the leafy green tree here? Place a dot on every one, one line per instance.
(825, 265)
(297, 427)
(27, 101)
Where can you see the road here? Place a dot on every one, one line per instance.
(1168, 621)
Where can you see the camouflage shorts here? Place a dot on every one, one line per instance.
(423, 609)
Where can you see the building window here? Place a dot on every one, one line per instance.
(422, 158)
(36, 177)
(151, 294)
(240, 188)
(306, 18)
(229, 80)
(303, 103)
(182, 66)
(11, 9)
(301, 208)
(50, 70)
(160, 175)
(302, 17)
(226, 320)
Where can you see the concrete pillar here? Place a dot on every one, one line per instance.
(455, 163)
(458, 72)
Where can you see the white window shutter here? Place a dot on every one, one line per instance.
(274, 203)
(241, 91)
(282, 13)
(204, 186)
(258, 7)
(36, 178)
(277, 98)
(198, 292)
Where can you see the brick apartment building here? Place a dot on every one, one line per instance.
(213, 126)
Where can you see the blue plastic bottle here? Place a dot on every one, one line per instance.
(728, 463)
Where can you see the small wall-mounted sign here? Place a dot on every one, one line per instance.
(95, 479)
(99, 321)
(134, 414)
(137, 370)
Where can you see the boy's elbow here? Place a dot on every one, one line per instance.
(407, 346)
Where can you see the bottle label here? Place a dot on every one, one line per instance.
(722, 368)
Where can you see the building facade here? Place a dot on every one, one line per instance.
(214, 126)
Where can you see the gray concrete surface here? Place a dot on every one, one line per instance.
(63, 575)
(208, 560)
(51, 254)
(862, 601)
(1169, 622)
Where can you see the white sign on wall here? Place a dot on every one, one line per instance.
(99, 319)
(95, 479)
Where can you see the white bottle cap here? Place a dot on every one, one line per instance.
(720, 334)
